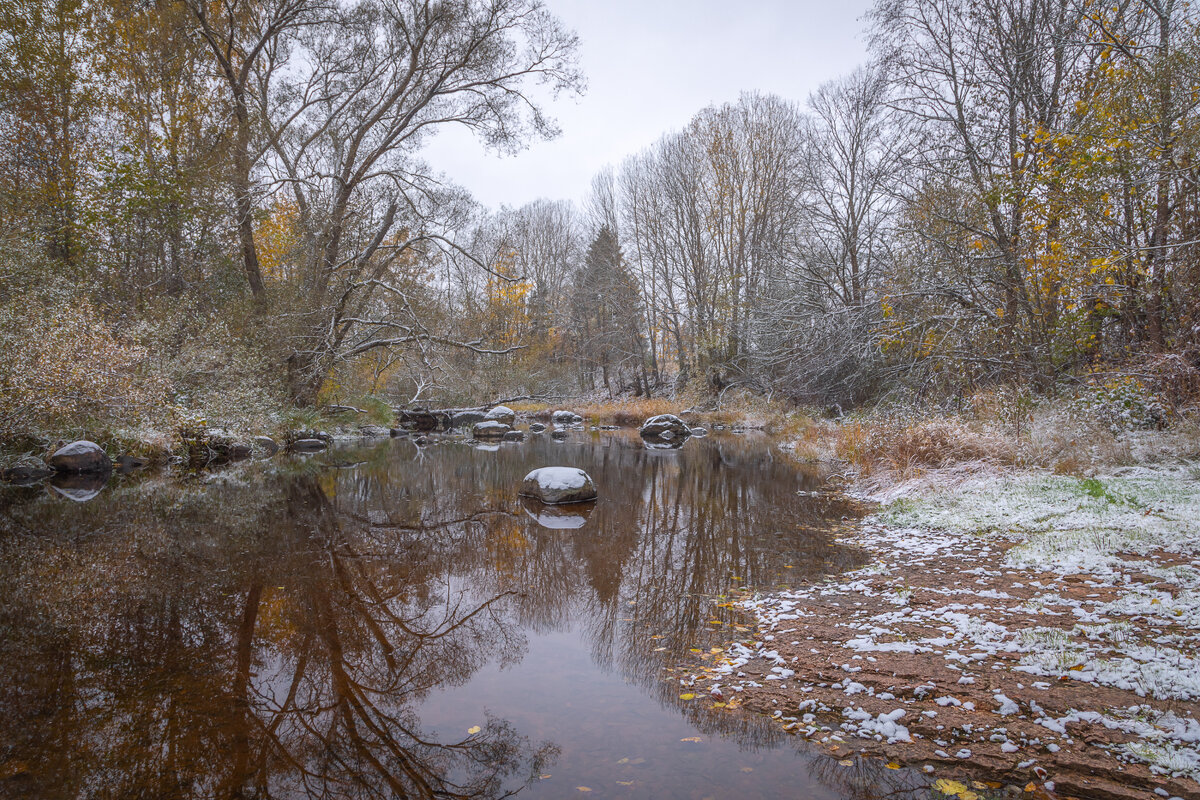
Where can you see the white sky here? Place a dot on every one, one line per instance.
(651, 65)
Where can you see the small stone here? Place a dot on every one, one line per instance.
(266, 444)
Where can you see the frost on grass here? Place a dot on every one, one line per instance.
(1055, 592)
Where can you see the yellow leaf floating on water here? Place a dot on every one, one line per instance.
(892, 765)
(544, 776)
(691, 739)
(625, 783)
(623, 761)
(474, 729)
(846, 763)
(747, 769)
(687, 696)
(583, 788)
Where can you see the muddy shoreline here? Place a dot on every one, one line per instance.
(924, 659)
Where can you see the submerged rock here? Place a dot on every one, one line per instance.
(309, 445)
(558, 436)
(699, 432)
(666, 427)
(127, 463)
(490, 429)
(555, 485)
(81, 456)
(537, 427)
(514, 436)
(27, 469)
(502, 414)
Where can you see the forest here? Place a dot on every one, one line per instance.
(215, 211)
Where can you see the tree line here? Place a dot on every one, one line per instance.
(203, 194)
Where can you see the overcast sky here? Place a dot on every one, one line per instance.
(651, 65)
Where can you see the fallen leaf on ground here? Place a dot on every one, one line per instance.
(687, 696)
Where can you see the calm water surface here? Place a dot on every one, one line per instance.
(395, 621)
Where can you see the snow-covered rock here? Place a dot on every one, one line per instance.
(490, 429)
(665, 426)
(565, 418)
(553, 485)
(502, 414)
(80, 456)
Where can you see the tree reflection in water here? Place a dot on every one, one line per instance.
(273, 634)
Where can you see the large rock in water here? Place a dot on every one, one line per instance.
(665, 426)
(565, 418)
(490, 429)
(81, 456)
(502, 414)
(555, 485)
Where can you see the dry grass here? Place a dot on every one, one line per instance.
(904, 446)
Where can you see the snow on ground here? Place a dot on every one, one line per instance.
(1035, 622)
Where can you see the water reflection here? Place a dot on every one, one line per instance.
(278, 631)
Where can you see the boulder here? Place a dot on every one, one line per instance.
(537, 427)
(699, 432)
(565, 418)
(266, 444)
(490, 429)
(556, 485)
(502, 414)
(514, 436)
(421, 419)
(81, 456)
(309, 445)
(466, 419)
(26, 469)
(665, 427)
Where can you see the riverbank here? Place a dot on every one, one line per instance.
(1015, 628)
